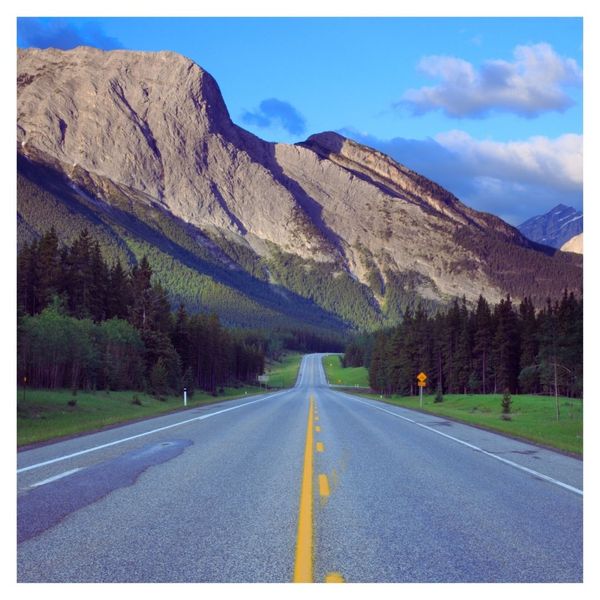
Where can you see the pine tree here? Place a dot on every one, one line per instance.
(482, 341)
(158, 347)
(142, 297)
(506, 346)
(464, 345)
(99, 284)
(188, 382)
(181, 336)
(451, 333)
(570, 346)
(28, 279)
(438, 345)
(506, 402)
(396, 367)
(158, 378)
(528, 327)
(377, 375)
(80, 276)
(423, 339)
(549, 348)
(119, 296)
(48, 268)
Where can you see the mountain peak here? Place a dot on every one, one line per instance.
(326, 139)
(562, 208)
(77, 79)
(554, 227)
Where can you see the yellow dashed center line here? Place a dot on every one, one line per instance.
(303, 568)
(323, 486)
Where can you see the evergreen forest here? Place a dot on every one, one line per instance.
(86, 324)
(484, 349)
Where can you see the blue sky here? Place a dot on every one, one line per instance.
(490, 108)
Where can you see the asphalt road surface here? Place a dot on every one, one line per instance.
(307, 484)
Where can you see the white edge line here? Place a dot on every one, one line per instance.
(301, 372)
(56, 477)
(473, 447)
(139, 435)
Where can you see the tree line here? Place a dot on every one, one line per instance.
(483, 349)
(83, 323)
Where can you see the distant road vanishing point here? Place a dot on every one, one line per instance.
(307, 484)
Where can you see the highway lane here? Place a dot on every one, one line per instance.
(425, 508)
(214, 494)
(224, 509)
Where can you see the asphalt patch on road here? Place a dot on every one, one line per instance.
(47, 505)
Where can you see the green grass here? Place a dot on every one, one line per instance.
(45, 415)
(283, 373)
(532, 417)
(337, 375)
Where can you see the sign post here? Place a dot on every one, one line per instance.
(421, 382)
(185, 396)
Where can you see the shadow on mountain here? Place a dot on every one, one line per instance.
(264, 154)
(110, 218)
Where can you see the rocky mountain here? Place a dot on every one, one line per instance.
(140, 149)
(575, 244)
(555, 227)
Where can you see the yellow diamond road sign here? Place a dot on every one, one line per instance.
(422, 377)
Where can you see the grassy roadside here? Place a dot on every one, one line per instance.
(532, 417)
(283, 373)
(45, 415)
(338, 375)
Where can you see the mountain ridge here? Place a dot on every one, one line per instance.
(555, 227)
(132, 130)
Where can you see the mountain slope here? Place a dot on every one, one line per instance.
(575, 244)
(193, 268)
(147, 136)
(555, 227)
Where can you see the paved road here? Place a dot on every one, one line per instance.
(308, 483)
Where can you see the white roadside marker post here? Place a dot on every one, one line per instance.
(185, 396)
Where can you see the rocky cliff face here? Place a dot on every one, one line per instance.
(155, 126)
(152, 128)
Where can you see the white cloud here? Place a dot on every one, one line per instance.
(532, 84)
(557, 163)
